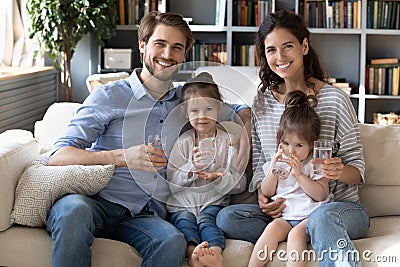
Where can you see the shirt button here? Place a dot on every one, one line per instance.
(161, 121)
(161, 102)
(155, 177)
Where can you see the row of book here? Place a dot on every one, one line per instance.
(382, 79)
(383, 14)
(201, 53)
(130, 12)
(316, 13)
(244, 55)
(251, 12)
(331, 14)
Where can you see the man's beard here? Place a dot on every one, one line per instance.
(164, 75)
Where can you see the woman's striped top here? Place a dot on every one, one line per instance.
(339, 123)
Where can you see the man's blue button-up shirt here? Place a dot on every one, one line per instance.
(123, 114)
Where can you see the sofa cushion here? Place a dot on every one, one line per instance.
(40, 186)
(17, 149)
(57, 116)
(382, 171)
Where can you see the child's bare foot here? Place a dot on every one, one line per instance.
(212, 257)
(197, 253)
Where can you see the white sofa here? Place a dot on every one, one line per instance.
(22, 246)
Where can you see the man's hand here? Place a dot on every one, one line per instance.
(274, 208)
(145, 157)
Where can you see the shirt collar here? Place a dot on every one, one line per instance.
(140, 91)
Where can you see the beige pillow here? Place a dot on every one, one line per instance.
(40, 186)
(381, 192)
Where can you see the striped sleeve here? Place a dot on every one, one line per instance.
(339, 122)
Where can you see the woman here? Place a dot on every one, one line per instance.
(288, 62)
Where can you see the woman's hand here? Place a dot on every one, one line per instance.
(333, 168)
(274, 208)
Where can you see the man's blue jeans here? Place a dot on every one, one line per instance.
(331, 226)
(202, 228)
(75, 220)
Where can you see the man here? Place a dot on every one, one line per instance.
(111, 128)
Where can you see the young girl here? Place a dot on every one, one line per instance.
(202, 181)
(304, 191)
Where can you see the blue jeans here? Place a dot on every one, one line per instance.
(202, 228)
(330, 224)
(236, 220)
(75, 220)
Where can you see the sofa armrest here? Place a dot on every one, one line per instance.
(17, 150)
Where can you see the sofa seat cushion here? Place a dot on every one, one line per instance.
(381, 243)
(19, 243)
(35, 244)
(17, 149)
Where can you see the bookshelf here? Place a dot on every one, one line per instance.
(345, 49)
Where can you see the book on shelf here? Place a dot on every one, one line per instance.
(340, 83)
(391, 60)
(389, 83)
(381, 81)
(336, 80)
(396, 80)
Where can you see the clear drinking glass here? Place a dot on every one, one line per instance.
(207, 149)
(281, 168)
(322, 150)
(157, 141)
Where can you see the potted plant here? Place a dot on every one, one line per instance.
(59, 25)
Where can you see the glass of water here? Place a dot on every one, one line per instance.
(157, 141)
(322, 151)
(281, 169)
(207, 149)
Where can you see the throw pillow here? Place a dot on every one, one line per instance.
(40, 186)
